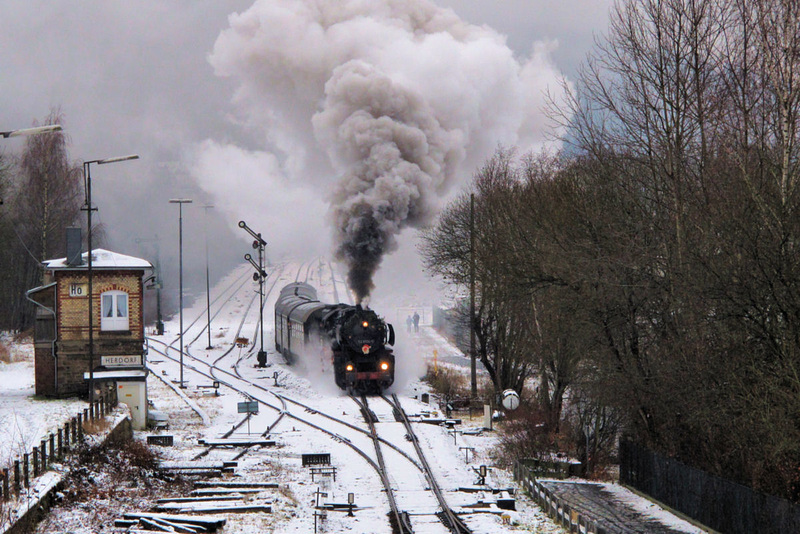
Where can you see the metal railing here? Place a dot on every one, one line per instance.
(551, 504)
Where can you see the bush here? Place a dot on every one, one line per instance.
(447, 382)
(126, 458)
(526, 435)
(451, 385)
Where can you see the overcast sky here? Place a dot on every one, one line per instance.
(198, 93)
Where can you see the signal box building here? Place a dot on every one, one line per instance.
(61, 335)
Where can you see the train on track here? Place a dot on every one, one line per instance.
(357, 337)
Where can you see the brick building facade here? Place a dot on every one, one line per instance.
(61, 337)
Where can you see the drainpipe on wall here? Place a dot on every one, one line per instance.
(55, 335)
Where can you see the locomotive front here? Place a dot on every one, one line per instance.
(362, 360)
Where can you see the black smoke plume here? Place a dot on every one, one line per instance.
(395, 154)
(382, 104)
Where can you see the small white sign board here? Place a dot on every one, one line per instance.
(130, 360)
(78, 290)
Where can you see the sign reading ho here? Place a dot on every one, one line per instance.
(248, 407)
(78, 290)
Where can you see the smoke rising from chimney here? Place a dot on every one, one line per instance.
(394, 155)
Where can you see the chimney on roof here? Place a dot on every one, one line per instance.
(73, 246)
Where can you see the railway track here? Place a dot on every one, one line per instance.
(227, 293)
(336, 428)
(419, 512)
(367, 443)
(401, 522)
(447, 516)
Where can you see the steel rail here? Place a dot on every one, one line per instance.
(233, 285)
(212, 374)
(237, 284)
(401, 519)
(449, 518)
(215, 372)
(240, 281)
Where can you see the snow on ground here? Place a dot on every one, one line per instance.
(195, 413)
(24, 422)
(651, 509)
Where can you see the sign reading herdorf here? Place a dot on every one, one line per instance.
(121, 361)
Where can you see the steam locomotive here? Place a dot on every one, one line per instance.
(357, 337)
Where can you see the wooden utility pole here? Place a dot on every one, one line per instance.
(472, 363)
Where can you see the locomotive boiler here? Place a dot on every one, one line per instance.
(357, 338)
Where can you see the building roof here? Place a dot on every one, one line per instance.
(101, 259)
(117, 374)
(42, 288)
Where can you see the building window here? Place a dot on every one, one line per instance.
(114, 310)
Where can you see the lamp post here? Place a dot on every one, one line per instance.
(180, 202)
(31, 131)
(208, 288)
(259, 275)
(87, 177)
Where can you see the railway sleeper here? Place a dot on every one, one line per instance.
(458, 528)
(405, 523)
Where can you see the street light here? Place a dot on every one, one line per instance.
(32, 131)
(180, 202)
(87, 177)
(259, 275)
(208, 289)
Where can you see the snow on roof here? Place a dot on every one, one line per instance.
(101, 259)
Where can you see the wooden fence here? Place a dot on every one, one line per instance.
(552, 505)
(20, 471)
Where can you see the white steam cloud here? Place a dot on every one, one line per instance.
(384, 104)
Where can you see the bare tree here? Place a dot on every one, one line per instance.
(652, 269)
(48, 198)
(45, 199)
(690, 110)
(504, 318)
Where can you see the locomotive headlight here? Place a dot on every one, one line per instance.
(349, 367)
(365, 324)
(384, 366)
